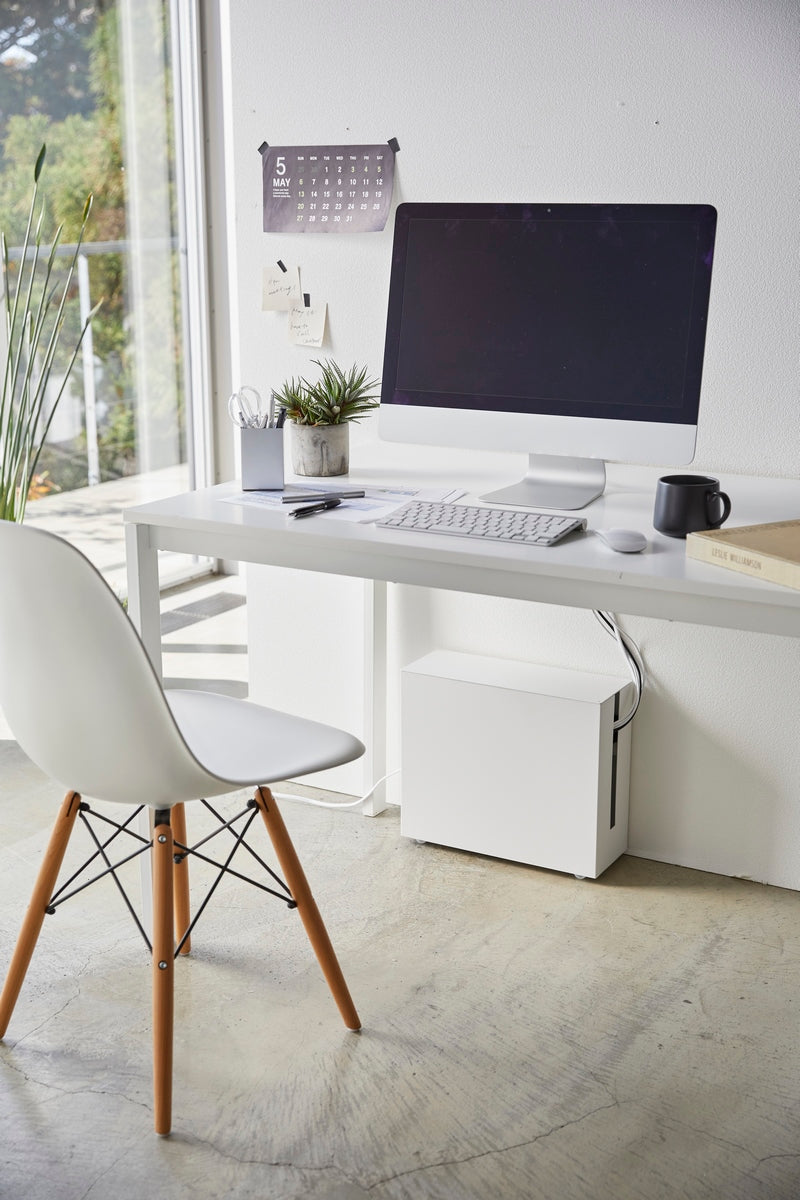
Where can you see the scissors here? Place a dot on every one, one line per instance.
(246, 415)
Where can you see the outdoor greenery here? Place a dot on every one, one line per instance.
(33, 320)
(334, 398)
(60, 83)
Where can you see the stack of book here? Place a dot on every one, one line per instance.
(770, 552)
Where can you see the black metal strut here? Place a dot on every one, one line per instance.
(181, 852)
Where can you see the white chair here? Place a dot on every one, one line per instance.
(82, 699)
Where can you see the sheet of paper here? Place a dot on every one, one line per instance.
(307, 325)
(259, 499)
(379, 502)
(280, 289)
(375, 503)
(361, 511)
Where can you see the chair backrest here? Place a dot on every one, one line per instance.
(76, 685)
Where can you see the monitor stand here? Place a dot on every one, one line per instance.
(553, 481)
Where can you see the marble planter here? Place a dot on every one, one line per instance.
(320, 449)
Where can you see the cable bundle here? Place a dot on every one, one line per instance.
(633, 658)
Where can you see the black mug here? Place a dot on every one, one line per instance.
(685, 503)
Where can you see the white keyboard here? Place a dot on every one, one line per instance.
(485, 524)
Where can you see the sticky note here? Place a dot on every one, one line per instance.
(307, 325)
(280, 289)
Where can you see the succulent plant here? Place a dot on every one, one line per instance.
(336, 397)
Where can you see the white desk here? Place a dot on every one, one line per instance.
(581, 572)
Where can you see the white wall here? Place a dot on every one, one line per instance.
(595, 100)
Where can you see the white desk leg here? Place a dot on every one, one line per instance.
(144, 601)
(144, 610)
(375, 691)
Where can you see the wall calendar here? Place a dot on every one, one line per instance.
(327, 189)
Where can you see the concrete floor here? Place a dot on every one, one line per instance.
(526, 1035)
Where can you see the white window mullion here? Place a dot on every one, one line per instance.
(147, 168)
(190, 169)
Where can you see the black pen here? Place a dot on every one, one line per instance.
(318, 497)
(310, 509)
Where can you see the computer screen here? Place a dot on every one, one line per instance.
(572, 332)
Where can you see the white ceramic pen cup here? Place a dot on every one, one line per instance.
(262, 460)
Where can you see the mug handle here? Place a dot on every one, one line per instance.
(726, 508)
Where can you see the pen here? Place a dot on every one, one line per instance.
(318, 497)
(310, 509)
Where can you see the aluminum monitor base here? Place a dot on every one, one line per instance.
(553, 481)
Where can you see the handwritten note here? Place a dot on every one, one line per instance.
(280, 288)
(307, 325)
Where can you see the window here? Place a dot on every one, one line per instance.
(101, 84)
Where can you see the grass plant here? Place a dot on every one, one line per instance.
(32, 321)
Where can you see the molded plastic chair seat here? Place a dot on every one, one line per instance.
(238, 741)
(83, 701)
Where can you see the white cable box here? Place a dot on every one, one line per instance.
(515, 760)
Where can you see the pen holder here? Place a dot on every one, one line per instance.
(262, 460)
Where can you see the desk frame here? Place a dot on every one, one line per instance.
(579, 573)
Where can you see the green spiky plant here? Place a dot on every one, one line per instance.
(33, 317)
(336, 397)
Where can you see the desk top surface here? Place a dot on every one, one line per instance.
(581, 571)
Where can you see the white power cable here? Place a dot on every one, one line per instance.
(334, 803)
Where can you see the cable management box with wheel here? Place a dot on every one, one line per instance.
(515, 760)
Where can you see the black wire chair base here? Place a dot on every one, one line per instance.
(180, 854)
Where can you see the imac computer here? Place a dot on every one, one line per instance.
(572, 332)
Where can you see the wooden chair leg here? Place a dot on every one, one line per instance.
(163, 972)
(306, 906)
(183, 912)
(43, 890)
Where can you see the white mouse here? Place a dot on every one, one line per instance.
(624, 541)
